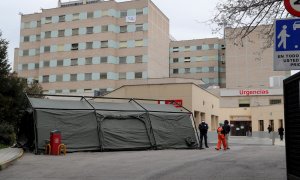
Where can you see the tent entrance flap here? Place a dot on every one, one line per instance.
(125, 132)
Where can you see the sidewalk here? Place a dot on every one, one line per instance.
(8, 156)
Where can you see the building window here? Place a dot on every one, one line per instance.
(88, 61)
(104, 28)
(87, 76)
(175, 49)
(59, 78)
(89, 30)
(26, 25)
(58, 91)
(139, 43)
(199, 69)
(271, 122)
(60, 63)
(275, 101)
(175, 71)
(47, 49)
(48, 34)
(122, 60)
(122, 75)
(138, 59)
(103, 59)
(25, 52)
(48, 20)
(187, 70)
(75, 16)
(175, 60)
(89, 45)
(75, 31)
(46, 64)
(139, 27)
(60, 47)
(104, 13)
(73, 77)
(103, 75)
(38, 23)
(46, 79)
(87, 90)
(138, 75)
(61, 33)
(211, 80)
(139, 12)
(261, 125)
(24, 66)
(244, 102)
(37, 51)
(211, 69)
(74, 46)
(74, 62)
(187, 48)
(211, 46)
(199, 47)
(123, 14)
(187, 59)
(104, 44)
(90, 15)
(36, 65)
(26, 39)
(123, 44)
(123, 29)
(73, 90)
(62, 18)
(38, 37)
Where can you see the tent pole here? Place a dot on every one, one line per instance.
(34, 124)
(98, 128)
(151, 128)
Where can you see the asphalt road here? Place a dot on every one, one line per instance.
(241, 162)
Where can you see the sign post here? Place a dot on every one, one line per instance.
(287, 44)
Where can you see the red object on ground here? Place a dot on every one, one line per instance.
(55, 141)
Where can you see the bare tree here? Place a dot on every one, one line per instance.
(245, 15)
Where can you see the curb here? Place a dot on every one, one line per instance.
(10, 161)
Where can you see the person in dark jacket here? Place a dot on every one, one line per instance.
(270, 129)
(280, 132)
(203, 128)
(226, 128)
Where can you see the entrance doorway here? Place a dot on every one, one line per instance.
(240, 128)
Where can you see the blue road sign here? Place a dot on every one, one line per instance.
(287, 44)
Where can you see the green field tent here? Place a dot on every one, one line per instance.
(102, 126)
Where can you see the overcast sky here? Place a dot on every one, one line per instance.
(187, 18)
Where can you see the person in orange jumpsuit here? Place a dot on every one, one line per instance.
(221, 138)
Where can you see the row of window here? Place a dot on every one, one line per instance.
(246, 102)
(83, 31)
(84, 61)
(261, 123)
(194, 70)
(67, 91)
(84, 46)
(91, 77)
(194, 59)
(196, 48)
(83, 16)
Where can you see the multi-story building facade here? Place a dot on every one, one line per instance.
(87, 45)
(200, 59)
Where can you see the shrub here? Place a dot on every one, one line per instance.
(7, 134)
